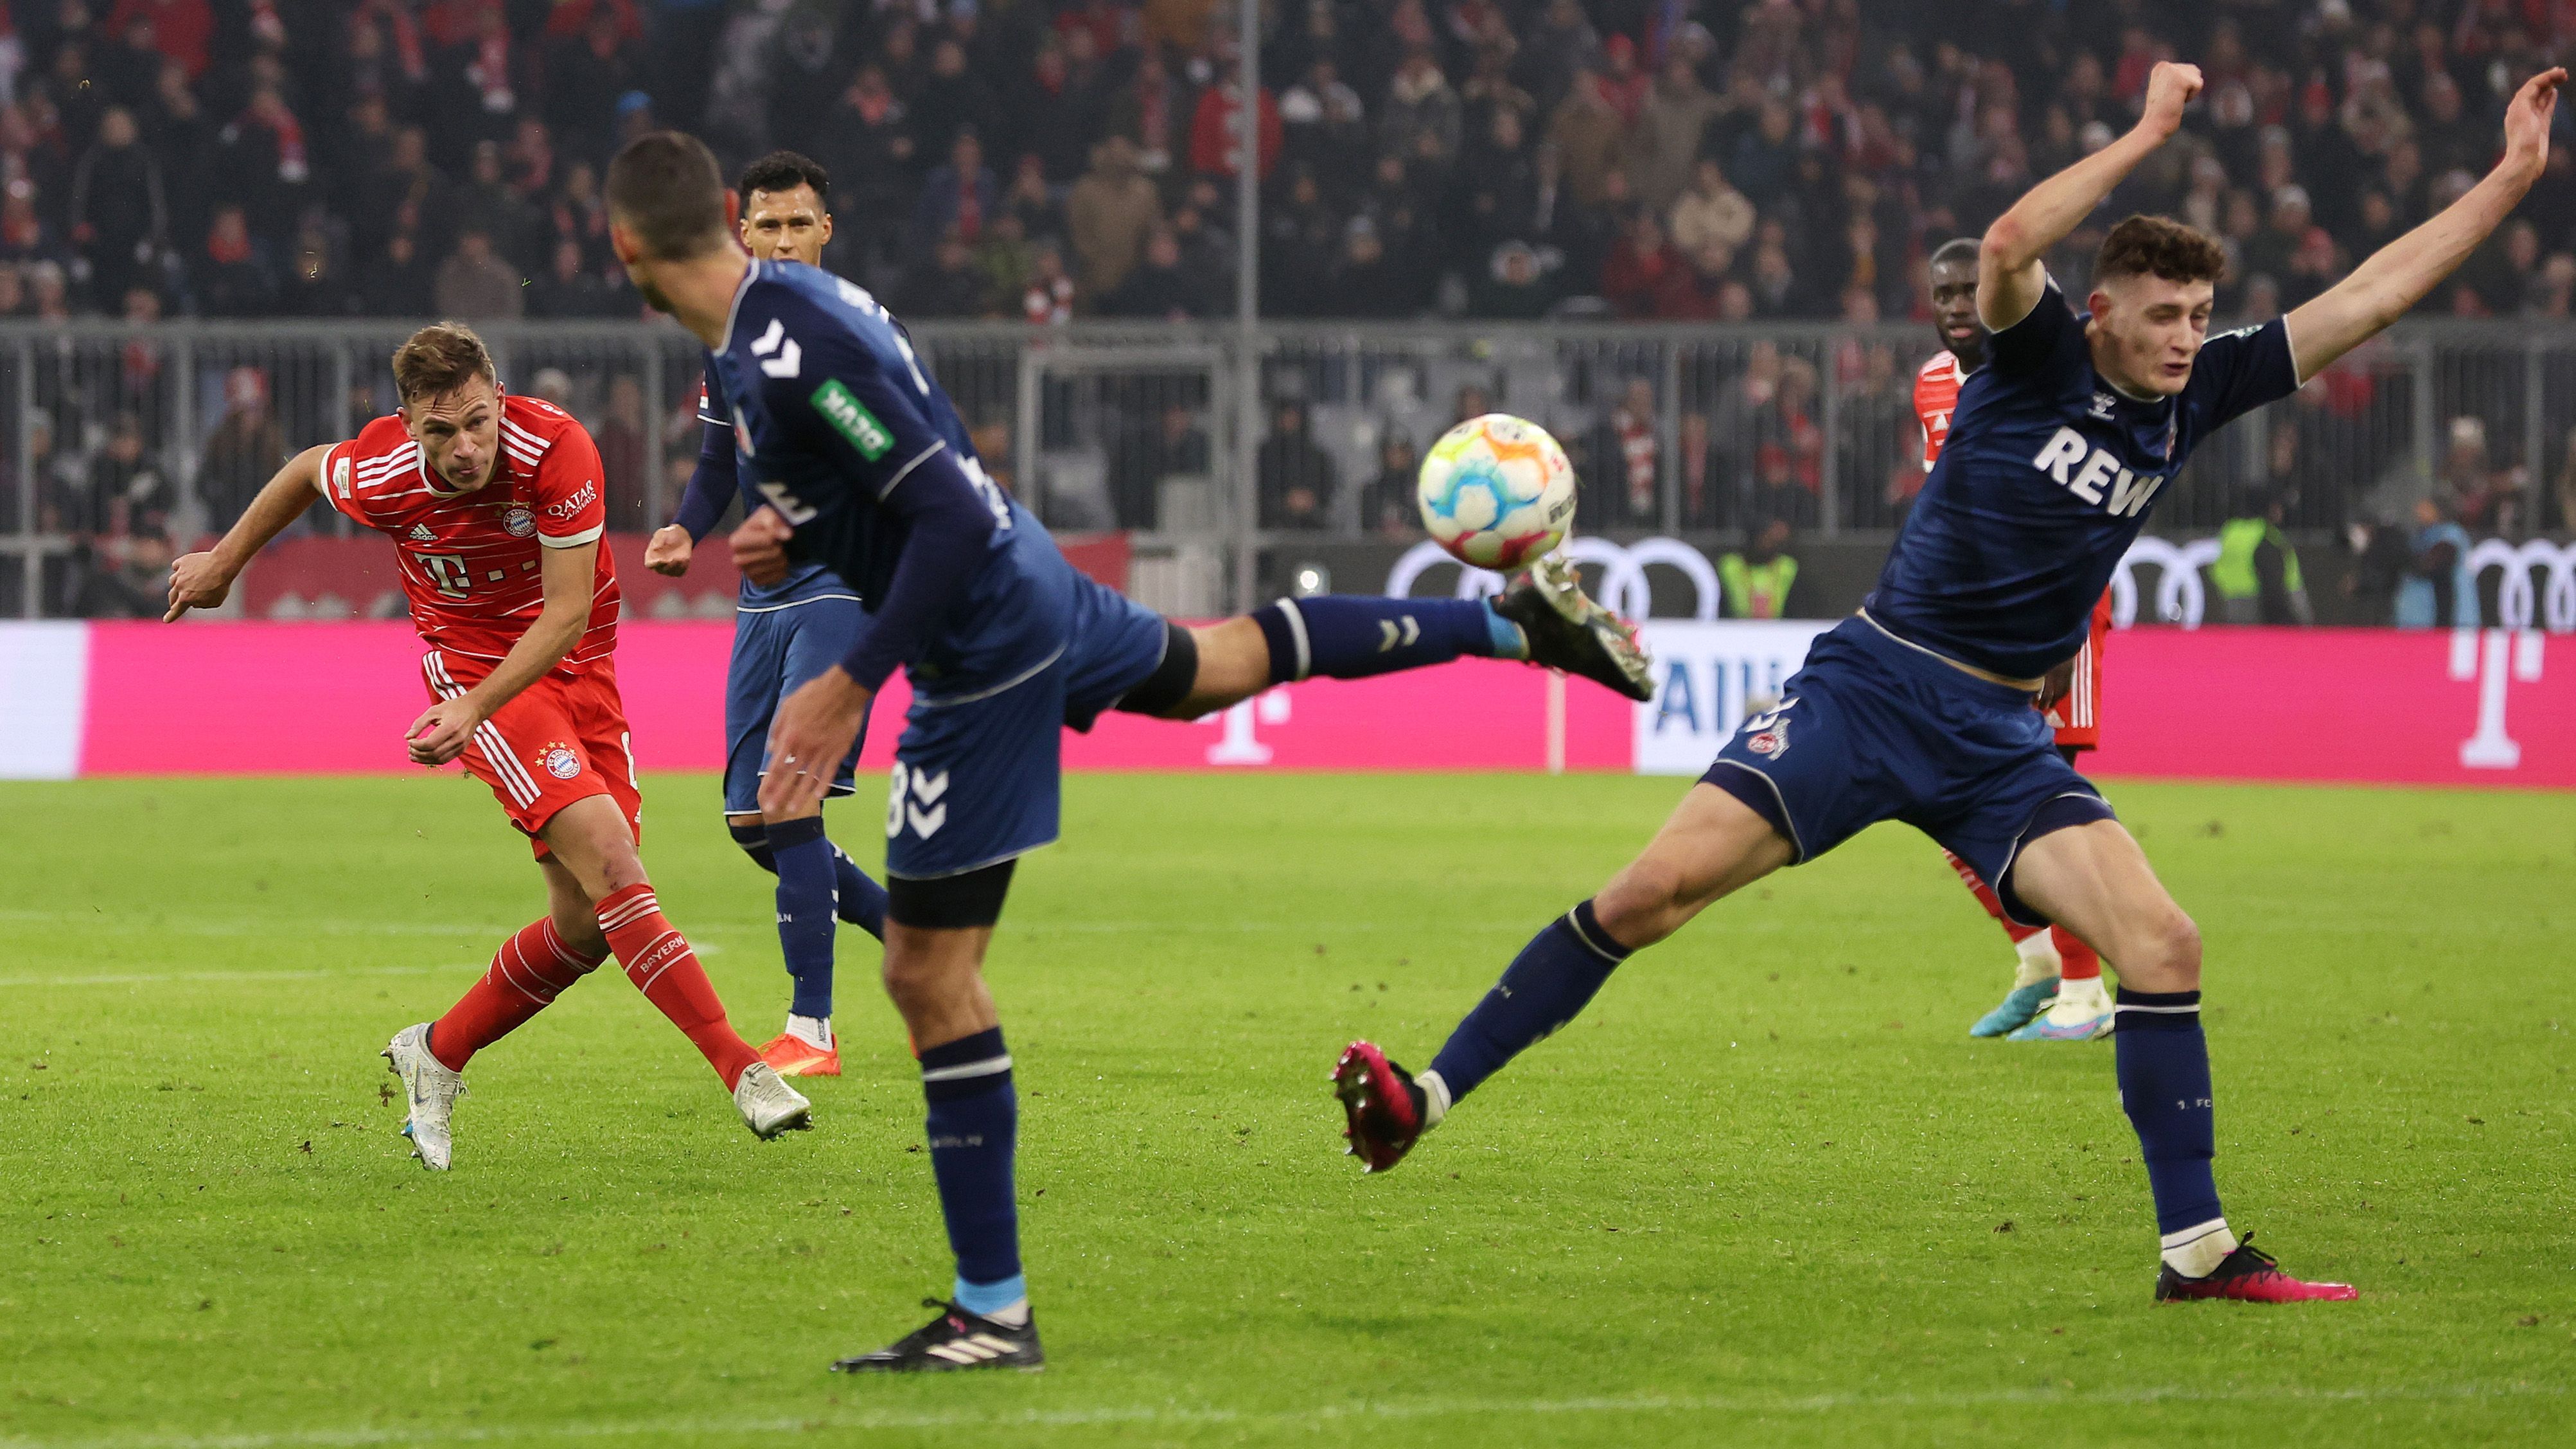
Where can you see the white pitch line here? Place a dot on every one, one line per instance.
(1321, 1414)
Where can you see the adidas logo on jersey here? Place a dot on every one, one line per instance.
(2129, 494)
(420, 534)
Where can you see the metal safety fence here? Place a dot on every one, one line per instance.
(119, 444)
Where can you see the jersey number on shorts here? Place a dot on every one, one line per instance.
(915, 799)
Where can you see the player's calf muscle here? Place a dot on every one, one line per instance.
(935, 978)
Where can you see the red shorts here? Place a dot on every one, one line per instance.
(2078, 717)
(563, 739)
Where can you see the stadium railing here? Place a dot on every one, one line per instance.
(1686, 431)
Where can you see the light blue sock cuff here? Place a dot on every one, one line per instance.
(1509, 641)
(987, 1298)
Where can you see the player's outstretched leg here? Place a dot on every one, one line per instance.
(527, 973)
(2093, 878)
(589, 839)
(817, 885)
(1714, 844)
(934, 973)
(1542, 617)
(2036, 972)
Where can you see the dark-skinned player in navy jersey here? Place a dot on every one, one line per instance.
(1918, 708)
(785, 632)
(866, 468)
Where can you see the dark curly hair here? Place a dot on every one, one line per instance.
(785, 171)
(2155, 246)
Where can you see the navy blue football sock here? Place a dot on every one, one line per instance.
(974, 1118)
(805, 910)
(862, 900)
(1352, 636)
(2164, 1086)
(1546, 984)
(754, 840)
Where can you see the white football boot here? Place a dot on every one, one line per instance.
(433, 1090)
(2081, 1012)
(768, 1105)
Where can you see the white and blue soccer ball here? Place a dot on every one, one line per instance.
(1496, 492)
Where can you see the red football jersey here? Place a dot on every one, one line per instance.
(469, 561)
(1936, 395)
(2077, 717)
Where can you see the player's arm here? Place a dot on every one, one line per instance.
(2396, 277)
(2010, 278)
(569, 576)
(711, 487)
(948, 521)
(204, 580)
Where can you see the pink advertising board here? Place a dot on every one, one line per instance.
(2491, 709)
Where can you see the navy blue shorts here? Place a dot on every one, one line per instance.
(1871, 728)
(776, 649)
(977, 774)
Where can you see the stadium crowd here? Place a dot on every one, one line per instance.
(1048, 159)
(1670, 158)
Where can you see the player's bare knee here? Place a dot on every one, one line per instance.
(1643, 904)
(2166, 956)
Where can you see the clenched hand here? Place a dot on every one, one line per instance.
(760, 547)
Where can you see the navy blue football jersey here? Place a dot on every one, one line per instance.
(832, 413)
(805, 580)
(2045, 480)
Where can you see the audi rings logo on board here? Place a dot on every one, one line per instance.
(1623, 589)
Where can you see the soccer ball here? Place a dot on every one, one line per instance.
(1496, 491)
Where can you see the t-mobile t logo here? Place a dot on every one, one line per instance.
(2484, 655)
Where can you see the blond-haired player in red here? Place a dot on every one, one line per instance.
(493, 502)
(2057, 992)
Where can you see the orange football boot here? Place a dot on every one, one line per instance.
(791, 1055)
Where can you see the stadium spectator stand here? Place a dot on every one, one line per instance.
(1784, 162)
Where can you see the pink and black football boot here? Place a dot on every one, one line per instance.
(1387, 1111)
(2248, 1275)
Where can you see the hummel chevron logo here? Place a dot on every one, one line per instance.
(790, 358)
(1392, 639)
(914, 800)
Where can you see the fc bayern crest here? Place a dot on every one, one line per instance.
(519, 521)
(559, 761)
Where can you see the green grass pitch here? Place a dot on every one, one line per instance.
(1765, 1192)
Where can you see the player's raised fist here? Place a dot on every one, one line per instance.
(669, 549)
(760, 547)
(2526, 120)
(2170, 87)
(197, 581)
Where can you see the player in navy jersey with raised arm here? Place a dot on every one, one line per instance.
(1918, 709)
(865, 467)
(785, 633)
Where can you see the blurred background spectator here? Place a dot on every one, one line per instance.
(1509, 156)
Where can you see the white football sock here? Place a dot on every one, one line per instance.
(2196, 1252)
(814, 1031)
(2039, 961)
(2079, 1000)
(1015, 1316)
(1435, 1099)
